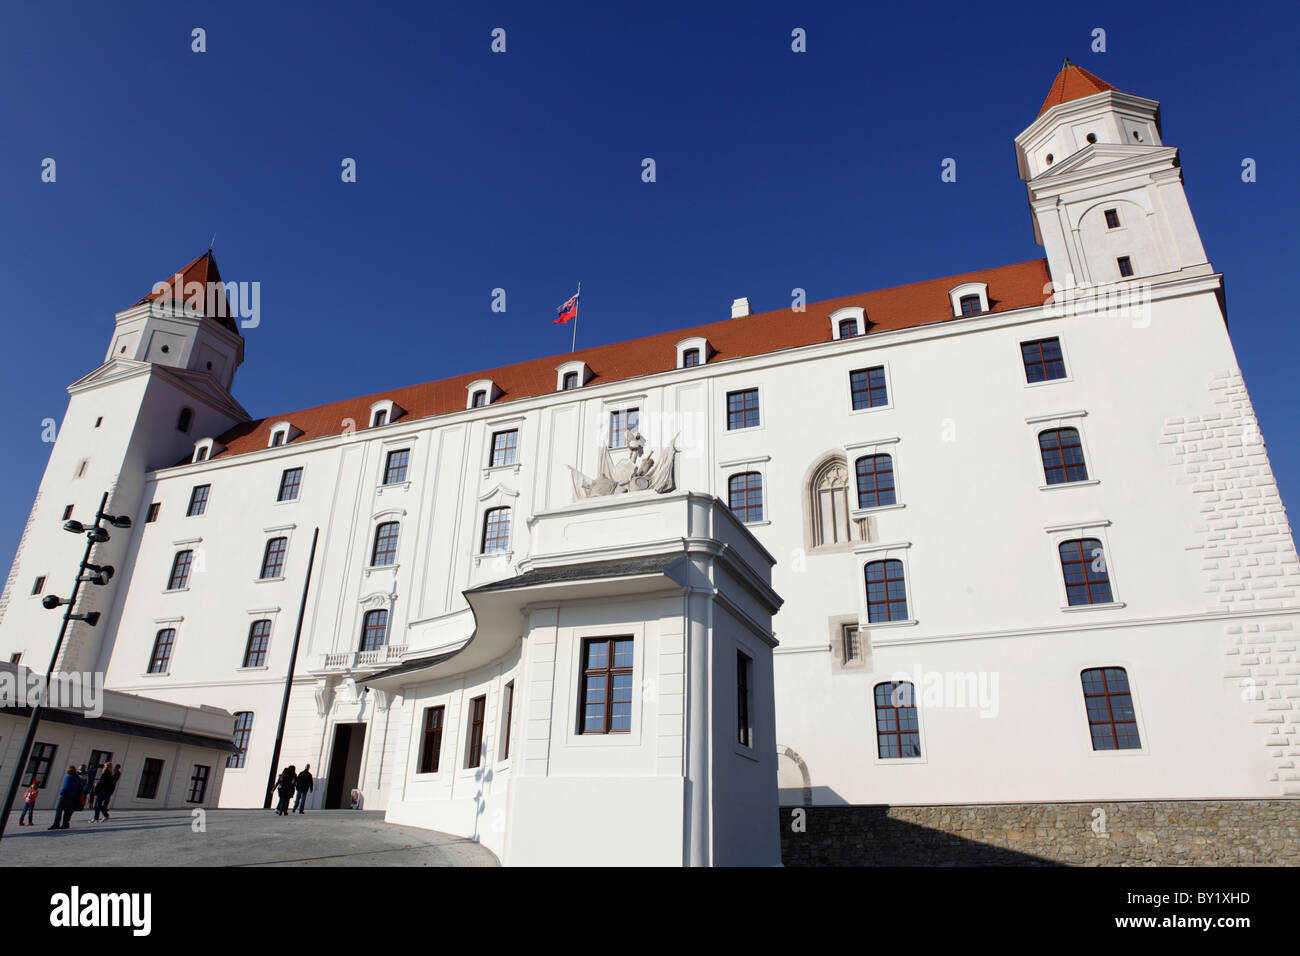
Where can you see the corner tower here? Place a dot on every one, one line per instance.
(1106, 193)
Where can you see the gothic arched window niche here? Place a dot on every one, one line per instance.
(830, 523)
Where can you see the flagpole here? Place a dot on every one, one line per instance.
(573, 345)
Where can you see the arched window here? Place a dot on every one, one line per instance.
(161, 657)
(180, 576)
(848, 328)
(273, 558)
(1084, 565)
(570, 380)
(184, 419)
(1062, 456)
(898, 734)
(381, 418)
(385, 549)
(374, 630)
(496, 530)
(875, 481)
(745, 496)
(479, 399)
(886, 591)
(1112, 720)
(830, 504)
(970, 305)
(259, 637)
(690, 358)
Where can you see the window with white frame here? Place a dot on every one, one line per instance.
(622, 424)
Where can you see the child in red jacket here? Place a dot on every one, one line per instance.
(29, 805)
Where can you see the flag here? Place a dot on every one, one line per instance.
(567, 311)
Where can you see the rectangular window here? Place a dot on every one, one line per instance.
(38, 585)
(690, 358)
(496, 530)
(1112, 219)
(395, 466)
(39, 763)
(243, 730)
(606, 705)
(621, 424)
(161, 657)
(150, 778)
(970, 305)
(98, 758)
(1043, 360)
(273, 558)
(381, 417)
(570, 381)
(201, 453)
(742, 409)
(180, 576)
(474, 751)
(198, 783)
(851, 644)
(745, 732)
(67, 512)
(290, 482)
(868, 387)
(1112, 720)
(198, 500)
(509, 713)
(745, 496)
(153, 512)
(431, 742)
(1083, 563)
(1125, 266)
(898, 730)
(505, 448)
(259, 639)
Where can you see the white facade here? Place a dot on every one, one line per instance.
(1200, 560)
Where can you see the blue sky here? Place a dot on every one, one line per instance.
(522, 171)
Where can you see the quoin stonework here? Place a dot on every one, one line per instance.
(622, 604)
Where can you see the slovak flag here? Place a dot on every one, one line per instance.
(567, 311)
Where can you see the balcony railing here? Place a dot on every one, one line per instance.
(361, 660)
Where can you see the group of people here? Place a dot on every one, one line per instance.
(81, 786)
(291, 782)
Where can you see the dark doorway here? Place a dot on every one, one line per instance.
(345, 765)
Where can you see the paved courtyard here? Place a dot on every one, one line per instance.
(235, 838)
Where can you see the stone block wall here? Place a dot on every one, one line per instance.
(1138, 833)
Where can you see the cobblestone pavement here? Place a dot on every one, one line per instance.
(234, 838)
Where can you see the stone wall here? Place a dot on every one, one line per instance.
(1139, 833)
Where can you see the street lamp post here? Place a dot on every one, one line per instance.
(100, 574)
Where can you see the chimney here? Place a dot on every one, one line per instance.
(740, 307)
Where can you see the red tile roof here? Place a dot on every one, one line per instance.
(202, 270)
(1073, 83)
(921, 303)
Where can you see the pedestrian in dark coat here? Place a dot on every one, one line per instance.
(104, 788)
(303, 784)
(288, 783)
(69, 799)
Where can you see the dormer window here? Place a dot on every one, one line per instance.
(383, 412)
(204, 449)
(969, 298)
(482, 393)
(281, 434)
(692, 352)
(849, 322)
(184, 420)
(571, 375)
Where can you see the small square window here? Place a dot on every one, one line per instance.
(1125, 266)
(1043, 360)
(742, 409)
(1112, 218)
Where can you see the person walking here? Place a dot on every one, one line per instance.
(104, 788)
(303, 784)
(29, 804)
(69, 799)
(288, 783)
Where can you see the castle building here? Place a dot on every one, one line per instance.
(1004, 536)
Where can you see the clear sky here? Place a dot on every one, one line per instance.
(522, 171)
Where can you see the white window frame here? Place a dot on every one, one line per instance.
(1065, 357)
(867, 552)
(695, 342)
(159, 624)
(885, 678)
(1082, 664)
(1093, 528)
(848, 386)
(285, 428)
(378, 518)
(486, 385)
(1072, 419)
(258, 614)
(276, 531)
(762, 409)
(578, 366)
(957, 293)
(571, 736)
(855, 312)
(739, 466)
(207, 445)
(880, 446)
(394, 411)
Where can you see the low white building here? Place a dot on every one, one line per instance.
(1024, 526)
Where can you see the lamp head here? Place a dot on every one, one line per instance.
(51, 601)
(76, 527)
